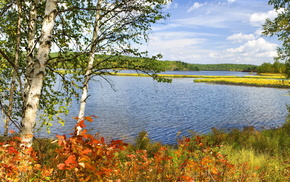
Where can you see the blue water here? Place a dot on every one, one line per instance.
(164, 109)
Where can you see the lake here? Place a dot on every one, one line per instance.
(164, 109)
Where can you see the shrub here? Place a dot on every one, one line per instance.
(233, 156)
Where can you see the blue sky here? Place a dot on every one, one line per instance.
(215, 31)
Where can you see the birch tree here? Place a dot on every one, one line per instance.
(118, 26)
(53, 101)
(90, 63)
(38, 73)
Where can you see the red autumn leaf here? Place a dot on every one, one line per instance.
(87, 151)
(102, 140)
(60, 137)
(12, 150)
(17, 138)
(11, 131)
(61, 166)
(88, 136)
(87, 179)
(71, 160)
(88, 118)
(81, 124)
(117, 142)
(214, 170)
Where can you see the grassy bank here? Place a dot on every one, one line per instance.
(263, 80)
(260, 82)
(247, 155)
(262, 76)
(173, 76)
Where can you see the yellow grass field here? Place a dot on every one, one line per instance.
(262, 76)
(249, 81)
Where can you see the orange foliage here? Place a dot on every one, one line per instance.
(86, 157)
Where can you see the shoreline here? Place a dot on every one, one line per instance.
(269, 81)
(247, 84)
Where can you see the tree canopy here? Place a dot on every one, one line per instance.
(280, 26)
(276, 67)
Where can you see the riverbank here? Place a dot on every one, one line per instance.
(263, 80)
(262, 76)
(258, 82)
(238, 155)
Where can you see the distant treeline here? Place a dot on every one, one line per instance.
(276, 67)
(182, 66)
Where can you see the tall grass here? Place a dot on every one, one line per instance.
(266, 152)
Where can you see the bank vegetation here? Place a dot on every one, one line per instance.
(238, 155)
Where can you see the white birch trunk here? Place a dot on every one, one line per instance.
(30, 47)
(90, 66)
(37, 75)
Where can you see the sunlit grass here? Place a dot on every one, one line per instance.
(271, 74)
(268, 76)
(262, 76)
(173, 76)
(249, 82)
(276, 76)
(256, 163)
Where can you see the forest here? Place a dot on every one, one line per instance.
(182, 66)
(168, 65)
(276, 67)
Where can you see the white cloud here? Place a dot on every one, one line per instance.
(240, 37)
(257, 19)
(231, 1)
(254, 46)
(254, 51)
(259, 31)
(195, 6)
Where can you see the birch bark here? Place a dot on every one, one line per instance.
(37, 74)
(91, 59)
(30, 47)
